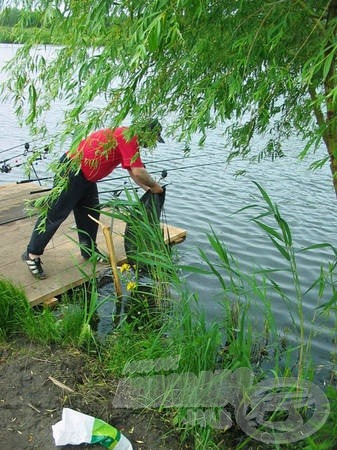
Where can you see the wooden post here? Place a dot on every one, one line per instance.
(112, 256)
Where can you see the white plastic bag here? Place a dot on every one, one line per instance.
(77, 428)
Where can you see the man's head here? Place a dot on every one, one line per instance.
(150, 132)
(155, 126)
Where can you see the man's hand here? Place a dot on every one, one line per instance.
(157, 189)
(141, 176)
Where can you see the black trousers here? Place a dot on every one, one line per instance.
(81, 197)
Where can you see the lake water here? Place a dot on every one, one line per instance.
(203, 194)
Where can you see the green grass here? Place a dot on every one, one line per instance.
(163, 321)
(13, 311)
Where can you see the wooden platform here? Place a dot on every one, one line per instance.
(62, 260)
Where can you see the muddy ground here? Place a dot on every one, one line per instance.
(31, 402)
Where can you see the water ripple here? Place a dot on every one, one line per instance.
(202, 199)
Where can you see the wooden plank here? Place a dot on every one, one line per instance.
(51, 303)
(13, 200)
(62, 261)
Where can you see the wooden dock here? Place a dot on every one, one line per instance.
(62, 260)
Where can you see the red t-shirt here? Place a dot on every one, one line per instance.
(102, 151)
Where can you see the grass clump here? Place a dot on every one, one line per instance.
(14, 310)
(72, 323)
(17, 317)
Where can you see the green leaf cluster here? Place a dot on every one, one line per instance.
(12, 16)
(256, 67)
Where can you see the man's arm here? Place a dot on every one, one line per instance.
(141, 176)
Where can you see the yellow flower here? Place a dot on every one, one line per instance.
(125, 267)
(131, 286)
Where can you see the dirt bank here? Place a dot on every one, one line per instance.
(31, 401)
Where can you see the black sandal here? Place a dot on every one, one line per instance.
(35, 266)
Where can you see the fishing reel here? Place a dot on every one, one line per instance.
(26, 150)
(40, 155)
(5, 168)
(163, 175)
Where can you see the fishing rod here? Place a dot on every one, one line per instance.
(6, 168)
(17, 146)
(170, 170)
(172, 159)
(117, 190)
(32, 180)
(121, 177)
(26, 151)
(124, 176)
(163, 172)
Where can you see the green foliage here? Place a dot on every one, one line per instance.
(41, 326)
(6, 35)
(196, 341)
(246, 294)
(71, 324)
(13, 16)
(128, 343)
(326, 437)
(144, 240)
(13, 309)
(9, 16)
(16, 35)
(264, 68)
(19, 26)
(17, 317)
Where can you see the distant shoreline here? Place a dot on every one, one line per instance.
(12, 35)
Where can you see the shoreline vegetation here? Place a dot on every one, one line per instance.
(162, 334)
(13, 31)
(11, 35)
(20, 26)
(163, 322)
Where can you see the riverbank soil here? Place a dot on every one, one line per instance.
(32, 398)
